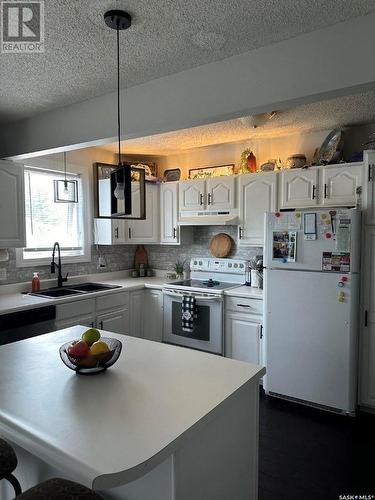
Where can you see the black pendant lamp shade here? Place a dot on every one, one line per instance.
(65, 191)
(119, 190)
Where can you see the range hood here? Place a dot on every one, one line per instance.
(220, 218)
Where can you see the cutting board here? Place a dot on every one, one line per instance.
(221, 245)
(140, 257)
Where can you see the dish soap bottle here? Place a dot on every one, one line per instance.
(35, 283)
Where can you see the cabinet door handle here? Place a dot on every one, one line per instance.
(130, 233)
(325, 190)
(261, 331)
(116, 233)
(240, 230)
(314, 192)
(243, 305)
(370, 167)
(101, 325)
(209, 198)
(174, 233)
(366, 318)
(201, 199)
(92, 324)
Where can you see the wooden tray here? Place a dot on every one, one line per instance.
(221, 245)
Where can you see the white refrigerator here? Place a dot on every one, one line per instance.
(312, 260)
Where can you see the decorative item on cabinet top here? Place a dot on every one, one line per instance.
(216, 171)
(331, 149)
(248, 161)
(172, 175)
(296, 161)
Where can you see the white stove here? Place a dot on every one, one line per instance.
(212, 275)
(209, 279)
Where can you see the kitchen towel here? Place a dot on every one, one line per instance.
(189, 313)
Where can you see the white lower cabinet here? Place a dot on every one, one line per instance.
(108, 312)
(242, 337)
(153, 317)
(116, 321)
(136, 312)
(243, 329)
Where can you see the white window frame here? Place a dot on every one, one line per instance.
(86, 215)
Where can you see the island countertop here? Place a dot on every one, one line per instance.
(111, 428)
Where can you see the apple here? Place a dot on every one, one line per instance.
(91, 335)
(78, 349)
(99, 347)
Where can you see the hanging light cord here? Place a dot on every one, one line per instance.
(65, 180)
(118, 96)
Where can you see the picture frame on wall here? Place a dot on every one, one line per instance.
(215, 171)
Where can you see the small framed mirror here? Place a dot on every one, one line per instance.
(119, 191)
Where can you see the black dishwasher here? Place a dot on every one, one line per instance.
(27, 323)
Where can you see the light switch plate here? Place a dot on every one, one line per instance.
(3, 274)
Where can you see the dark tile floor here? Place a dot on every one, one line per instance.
(308, 454)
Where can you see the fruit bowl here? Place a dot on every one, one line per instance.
(91, 364)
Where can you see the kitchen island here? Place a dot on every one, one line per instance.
(164, 423)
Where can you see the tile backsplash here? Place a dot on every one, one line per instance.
(164, 256)
(121, 257)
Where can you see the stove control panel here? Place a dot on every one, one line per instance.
(218, 265)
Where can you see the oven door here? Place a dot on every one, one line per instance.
(207, 334)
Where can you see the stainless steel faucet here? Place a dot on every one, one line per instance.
(60, 279)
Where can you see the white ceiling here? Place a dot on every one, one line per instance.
(342, 111)
(167, 36)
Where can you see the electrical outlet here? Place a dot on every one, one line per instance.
(102, 264)
(4, 255)
(3, 274)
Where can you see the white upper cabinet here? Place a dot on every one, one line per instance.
(146, 231)
(298, 188)
(221, 193)
(12, 205)
(369, 181)
(192, 195)
(169, 231)
(126, 231)
(339, 184)
(257, 195)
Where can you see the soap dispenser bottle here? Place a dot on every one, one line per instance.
(35, 283)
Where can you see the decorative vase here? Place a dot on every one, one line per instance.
(251, 162)
(256, 279)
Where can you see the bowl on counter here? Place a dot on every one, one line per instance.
(91, 364)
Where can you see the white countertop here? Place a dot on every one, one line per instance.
(14, 300)
(108, 429)
(245, 291)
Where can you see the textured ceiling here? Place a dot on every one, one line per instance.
(342, 111)
(167, 36)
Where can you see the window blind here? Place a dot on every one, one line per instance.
(47, 221)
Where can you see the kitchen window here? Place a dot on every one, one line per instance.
(47, 221)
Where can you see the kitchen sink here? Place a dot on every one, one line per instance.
(56, 292)
(81, 288)
(92, 287)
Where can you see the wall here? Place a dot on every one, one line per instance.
(264, 149)
(164, 256)
(314, 66)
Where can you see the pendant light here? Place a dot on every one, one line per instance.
(65, 191)
(121, 176)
